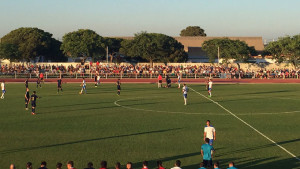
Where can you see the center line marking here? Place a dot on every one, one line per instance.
(284, 149)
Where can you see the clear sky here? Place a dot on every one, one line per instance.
(267, 18)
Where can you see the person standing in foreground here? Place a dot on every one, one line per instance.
(27, 99)
(159, 81)
(177, 165)
(83, 84)
(209, 132)
(231, 165)
(118, 83)
(33, 102)
(3, 89)
(184, 91)
(59, 85)
(210, 83)
(207, 153)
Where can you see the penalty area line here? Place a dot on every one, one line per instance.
(284, 149)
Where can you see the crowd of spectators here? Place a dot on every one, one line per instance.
(129, 165)
(146, 70)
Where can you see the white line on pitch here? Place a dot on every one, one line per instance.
(248, 125)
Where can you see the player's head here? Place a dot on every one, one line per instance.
(90, 165)
(29, 165)
(184, 84)
(118, 165)
(231, 164)
(58, 165)
(177, 163)
(159, 163)
(129, 165)
(208, 122)
(103, 164)
(216, 164)
(206, 140)
(201, 164)
(145, 163)
(43, 163)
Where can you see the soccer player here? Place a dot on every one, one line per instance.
(184, 91)
(38, 83)
(209, 132)
(96, 76)
(178, 80)
(168, 81)
(83, 84)
(207, 152)
(26, 83)
(42, 77)
(33, 102)
(3, 89)
(118, 83)
(27, 98)
(231, 165)
(59, 83)
(159, 81)
(98, 79)
(210, 83)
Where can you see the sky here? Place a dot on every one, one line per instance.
(267, 18)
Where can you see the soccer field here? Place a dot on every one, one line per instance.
(147, 123)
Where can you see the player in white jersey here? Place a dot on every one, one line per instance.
(98, 79)
(209, 132)
(184, 91)
(3, 89)
(83, 84)
(178, 80)
(210, 83)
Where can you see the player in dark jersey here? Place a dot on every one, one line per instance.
(38, 83)
(27, 98)
(33, 102)
(118, 83)
(26, 83)
(96, 84)
(59, 82)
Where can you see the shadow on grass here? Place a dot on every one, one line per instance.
(84, 141)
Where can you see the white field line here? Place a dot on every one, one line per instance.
(248, 125)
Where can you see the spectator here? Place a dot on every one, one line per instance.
(70, 165)
(206, 152)
(177, 165)
(90, 166)
(231, 165)
(59, 165)
(202, 166)
(159, 165)
(43, 165)
(29, 165)
(103, 165)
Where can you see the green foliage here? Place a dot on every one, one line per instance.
(114, 44)
(192, 31)
(229, 49)
(31, 42)
(9, 51)
(285, 49)
(154, 47)
(83, 42)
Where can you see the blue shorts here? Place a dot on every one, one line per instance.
(83, 87)
(3, 91)
(209, 89)
(185, 95)
(211, 141)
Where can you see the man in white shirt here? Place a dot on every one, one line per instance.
(210, 83)
(209, 132)
(3, 89)
(184, 91)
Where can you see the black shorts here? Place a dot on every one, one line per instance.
(207, 163)
(119, 87)
(33, 104)
(59, 86)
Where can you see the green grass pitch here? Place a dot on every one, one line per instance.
(147, 123)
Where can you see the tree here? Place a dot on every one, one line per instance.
(229, 49)
(285, 49)
(31, 42)
(154, 47)
(192, 31)
(9, 51)
(83, 43)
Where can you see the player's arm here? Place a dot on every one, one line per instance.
(214, 135)
(202, 152)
